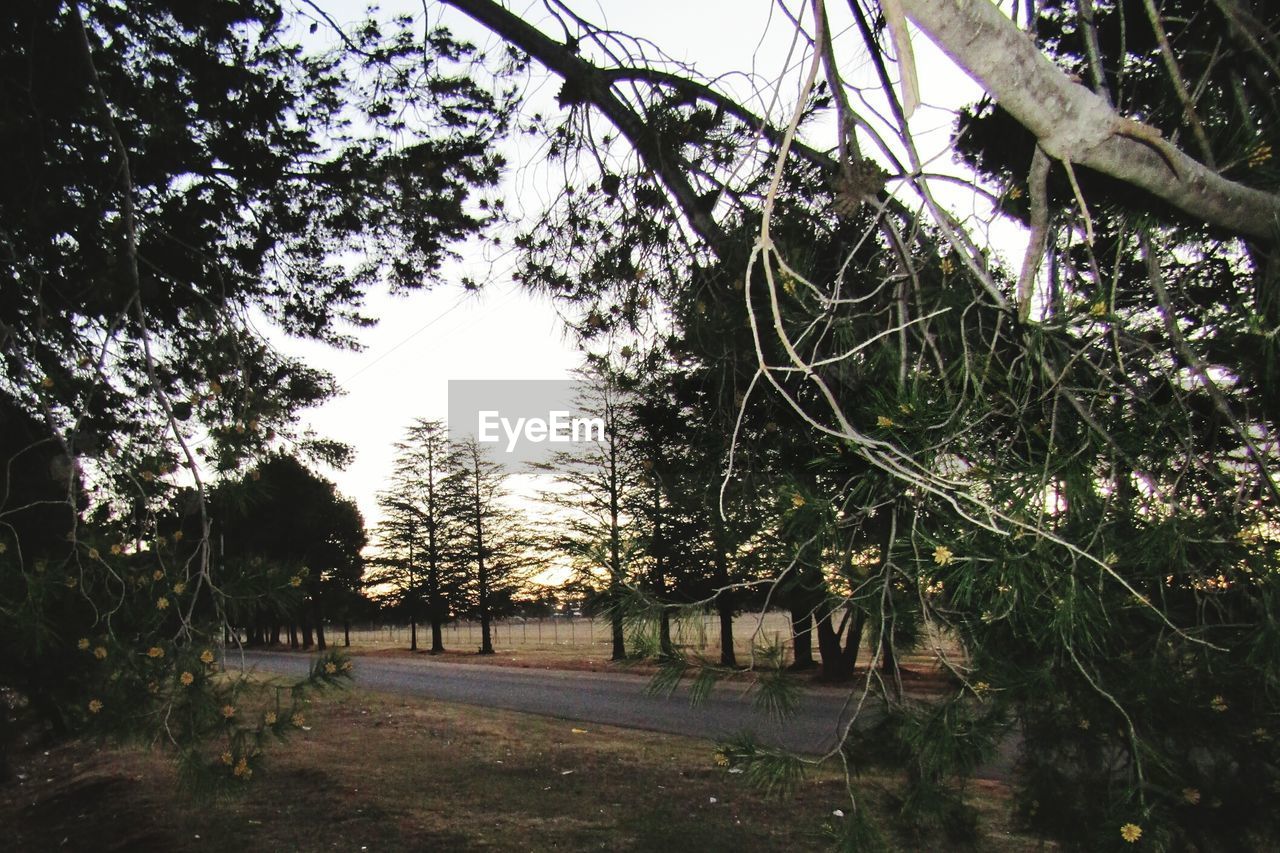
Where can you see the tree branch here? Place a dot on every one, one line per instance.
(1076, 125)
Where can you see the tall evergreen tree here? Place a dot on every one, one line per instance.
(493, 542)
(417, 536)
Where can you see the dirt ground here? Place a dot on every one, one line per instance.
(379, 772)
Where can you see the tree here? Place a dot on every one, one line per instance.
(593, 487)
(178, 175)
(416, 523)
(1068, 465)
(286, 520)
(492, 540)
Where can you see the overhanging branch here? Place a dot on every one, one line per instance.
(1074, 124)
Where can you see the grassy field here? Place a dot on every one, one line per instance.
(581, 642)
(379, 772)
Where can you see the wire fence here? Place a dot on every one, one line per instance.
(581, 636)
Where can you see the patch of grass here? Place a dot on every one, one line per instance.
(391, 773)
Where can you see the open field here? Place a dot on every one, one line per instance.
(386, 773)
(583, 642)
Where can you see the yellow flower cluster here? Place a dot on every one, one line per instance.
(1131, 832)
(187, 679)
(298, 720)
(242, 770)
(206, 657)
(228, 711)
(162, 603)
(1259, 155)
(155, 652)
(1218, 704)
(884, 422)
(942, 555)
(83, 645)
(95, 705)
(100, 653)
(330, 668)
(269, 718)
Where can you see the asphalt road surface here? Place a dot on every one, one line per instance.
(612, 699)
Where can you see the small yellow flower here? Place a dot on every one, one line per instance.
(981, 687)
(155, 652)
(228, 759)
(1259, 155)
(46, 382)
(162, 603)
(148, 476)
(1218, 704)
(295, 581)
(330, 668)
(70, 583)
(269, 718)
(1083, 725)
(161, 539)
(83, 645)
(884, 421)
(242, 769)
(789, 285)
(93, 554)
(1191, 796)
(100, 653)
(187, 679)
(722, 760)
(95, 705)
(942, 555)
(179, 588)
(153, 687)
(1131, 832)
(177, 536)
(797, 501)
(298, 720)
(948, 266)
(117, 549)
(157, 575)
(1098, 309)
(206, 657)
(1015, 192)
(4, 546)
(228, 711)
(346, 666)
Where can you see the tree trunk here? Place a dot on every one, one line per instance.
(665, 648)
(293, 635)
(486, 638)
(307, 639)
(724, 605)
(619, 637)
(802, 638)
(346, 633)
(437, 635)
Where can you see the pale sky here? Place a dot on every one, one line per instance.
(424, 340)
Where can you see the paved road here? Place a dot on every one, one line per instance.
(618, 700)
